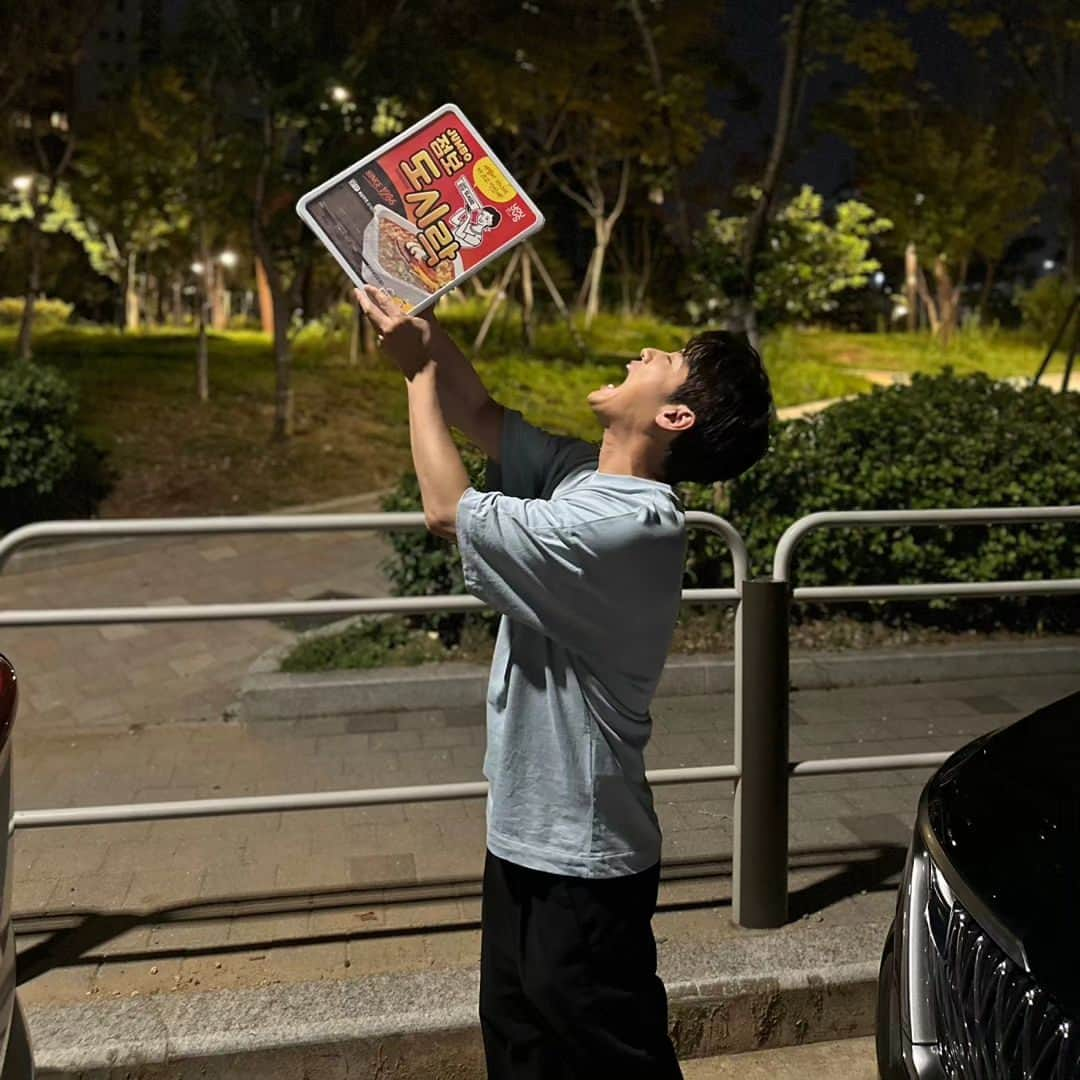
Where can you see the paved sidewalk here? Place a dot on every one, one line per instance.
(850, 1059)
(352, 889)
(114, 677)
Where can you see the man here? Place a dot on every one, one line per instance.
(582, 552)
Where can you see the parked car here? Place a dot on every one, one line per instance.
(16, 1056)
(980, 976)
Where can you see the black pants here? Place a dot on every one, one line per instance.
(568, 983)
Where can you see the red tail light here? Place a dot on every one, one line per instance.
(9, 698)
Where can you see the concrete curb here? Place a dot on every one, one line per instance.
(268, 694)
(800, 984)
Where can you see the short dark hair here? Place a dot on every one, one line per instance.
(728, 389)
(496, 217)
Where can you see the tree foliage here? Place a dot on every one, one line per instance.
(807, 261)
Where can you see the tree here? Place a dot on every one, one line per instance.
(287, 57)
(1039, 40)
(805, 263)
(798, 53)
(127, 175)
(608, 100)
(39, 47)
(954, 184)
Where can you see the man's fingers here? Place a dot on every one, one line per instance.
(375, 307)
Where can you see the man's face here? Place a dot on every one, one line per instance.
(650, 382)
(486, 219)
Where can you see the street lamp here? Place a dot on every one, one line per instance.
(197, 268)
(1048, 264)
(228, 259)
(22, 184)
(340, 94)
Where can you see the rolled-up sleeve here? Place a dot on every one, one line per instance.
(529, 560)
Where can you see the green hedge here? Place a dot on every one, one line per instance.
(1044, 307)
(47, 311)
(427, 565)
(46, 469)
(943, 441)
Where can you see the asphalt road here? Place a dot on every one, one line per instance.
(850, 1059)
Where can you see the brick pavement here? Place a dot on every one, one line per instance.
(352, 888)
(113, 677)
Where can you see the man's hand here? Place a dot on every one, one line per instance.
(405, 339)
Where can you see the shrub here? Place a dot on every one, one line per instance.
(944, 441)
(47, 312)
(46, 469)
(1044, 306)
(426, 565)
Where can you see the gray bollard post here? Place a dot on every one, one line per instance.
(759, 885)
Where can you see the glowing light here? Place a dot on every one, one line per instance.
(22, 184)
(228, 259)
(197, 268)
(340, 94)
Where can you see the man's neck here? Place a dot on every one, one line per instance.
(621, 459)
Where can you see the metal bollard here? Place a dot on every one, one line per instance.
(759, 886)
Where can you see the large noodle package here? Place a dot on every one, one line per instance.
(423, 212)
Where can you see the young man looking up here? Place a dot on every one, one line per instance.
(582, 552)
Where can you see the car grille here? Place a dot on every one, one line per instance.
(994, 1021)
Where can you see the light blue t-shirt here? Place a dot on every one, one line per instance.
(586, 569)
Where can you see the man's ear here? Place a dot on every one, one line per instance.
(675, 417)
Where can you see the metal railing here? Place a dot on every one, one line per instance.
(194, 808)
(761, 769)
(760, 897)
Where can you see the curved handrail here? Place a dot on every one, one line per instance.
(785, 548)
(133, 527)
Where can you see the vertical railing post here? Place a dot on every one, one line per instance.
(761, 752)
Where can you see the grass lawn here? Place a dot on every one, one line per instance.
(174, 456)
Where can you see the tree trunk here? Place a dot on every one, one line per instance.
(177, 301)
(596, 269)
(354, 336)
(682, 220)
(131, 296)
(586, 281)
(219, 316)
(527, 302)
(948, 299)
(33, 284)
(984, 295)
(266, 297)
(371, 346)
(761, 215)
(911, 287)
(533, 256)
(928, 303)
(202, 355)
(283, 392)
(497, 298)
(1073, 250)
(645, 277)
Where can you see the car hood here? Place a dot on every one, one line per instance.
(1006, 815)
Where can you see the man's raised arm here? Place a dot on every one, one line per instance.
(463, 398)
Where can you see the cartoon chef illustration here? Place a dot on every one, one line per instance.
(470, 222)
